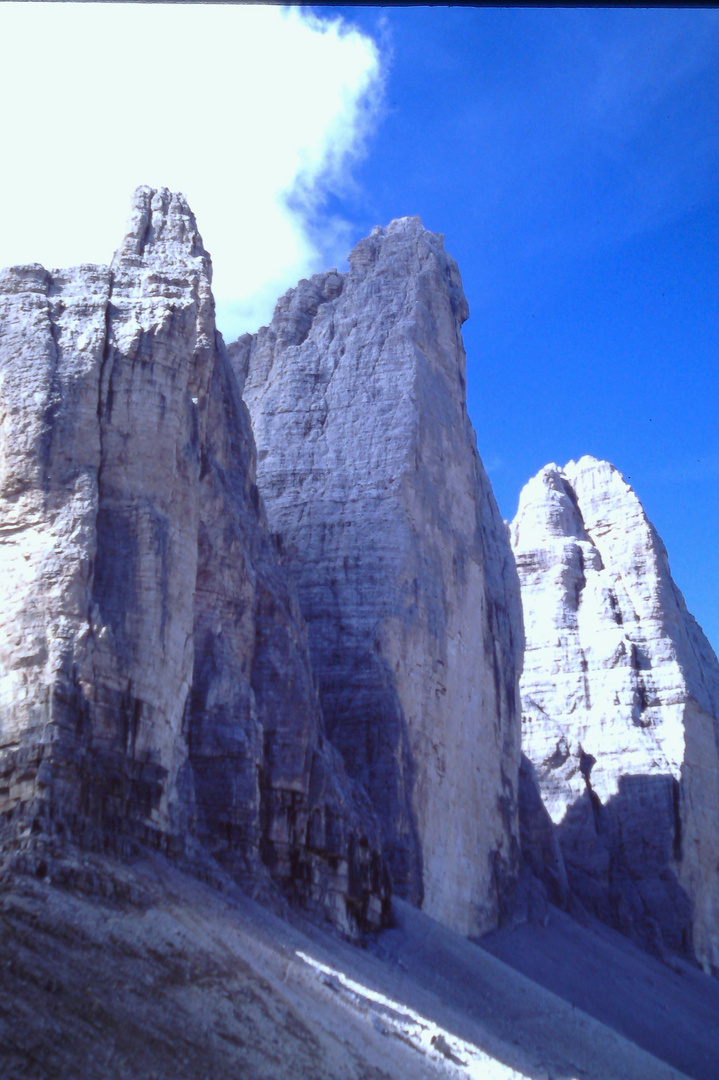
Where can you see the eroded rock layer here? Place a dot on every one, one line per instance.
(368, 465)
(155, 680)
(620, 700)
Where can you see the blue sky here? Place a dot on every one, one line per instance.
(571, 158)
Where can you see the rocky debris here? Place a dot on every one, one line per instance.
(164, 977)
(155, 682)
(368, 466)
(669, 1009)
(620, 700)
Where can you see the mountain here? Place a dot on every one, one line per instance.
(368, 466)
(155, 680)
(620, 702)
(263, 810)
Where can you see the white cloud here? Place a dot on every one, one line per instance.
(254, 112)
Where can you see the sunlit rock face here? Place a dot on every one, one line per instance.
(155, 681)
(620, 700)
(368, 466)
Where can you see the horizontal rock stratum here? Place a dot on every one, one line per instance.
(155, 682)
(368, 465)
(620, 700)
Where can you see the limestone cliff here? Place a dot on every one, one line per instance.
(620, 700)
(368, 466)
(155, 681)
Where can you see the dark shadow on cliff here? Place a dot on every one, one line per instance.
(366, 723)
(621, 859)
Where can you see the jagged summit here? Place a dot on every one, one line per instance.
(620, 700)
(406, 248)
(301, 302)
(161, 226)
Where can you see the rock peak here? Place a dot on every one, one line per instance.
(402, 230)
(405, 251)
(617, 672)
(161, 226)
(368, 467)
(598, 467)
(410, 224)
(155, 679)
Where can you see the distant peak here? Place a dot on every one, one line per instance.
(552, 474)
(595, 471)
(549, 472)
(588, 461)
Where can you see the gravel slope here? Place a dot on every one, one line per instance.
(163, 977)
(671, 1009)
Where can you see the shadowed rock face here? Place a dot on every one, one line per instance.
(620, 698)
(155, 680)
(539, 843)
(368, 466)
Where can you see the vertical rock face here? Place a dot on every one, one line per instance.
(368, 466)
(154, 671)
(539, 843)
(620, 699)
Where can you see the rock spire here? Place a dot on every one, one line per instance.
(620, 701)
(155, 682)
(368, 466)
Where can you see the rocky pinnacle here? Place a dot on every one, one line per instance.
(155, 682)
(620, 701)
(368, 466)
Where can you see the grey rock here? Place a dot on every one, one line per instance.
(539, 842)
(368, 466)
(620, 697)
(155, 682)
